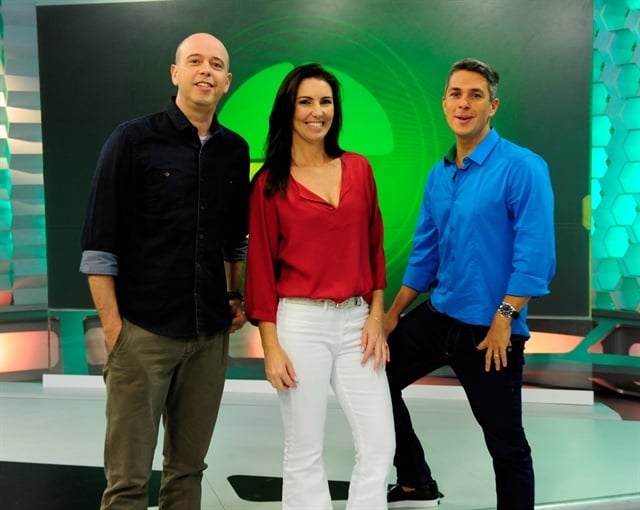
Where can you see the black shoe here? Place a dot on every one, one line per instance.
(423, 497)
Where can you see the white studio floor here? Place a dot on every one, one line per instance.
(585, 454)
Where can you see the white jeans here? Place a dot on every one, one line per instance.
(323, 343)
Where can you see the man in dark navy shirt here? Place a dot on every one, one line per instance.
(163, 245)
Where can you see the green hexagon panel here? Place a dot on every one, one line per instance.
(628, 80)
(601, 130)
(615, 156)
(630, 177)
(624, 209)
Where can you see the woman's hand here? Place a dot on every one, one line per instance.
(279, 369)
(374, 342)
(277, 365)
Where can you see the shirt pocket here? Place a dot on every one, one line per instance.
(163, 190)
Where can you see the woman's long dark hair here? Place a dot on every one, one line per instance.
(280, 137)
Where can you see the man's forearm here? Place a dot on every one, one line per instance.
(233, 270)
(404, 298)
(103, 292)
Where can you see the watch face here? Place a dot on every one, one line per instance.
(507, 310)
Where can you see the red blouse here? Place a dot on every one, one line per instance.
(302, 246)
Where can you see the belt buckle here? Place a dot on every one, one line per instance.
(352, 301)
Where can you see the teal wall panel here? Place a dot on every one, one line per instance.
(615, 163)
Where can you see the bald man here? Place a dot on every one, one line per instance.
(163, 245)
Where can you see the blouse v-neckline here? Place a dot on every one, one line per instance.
(309, 194)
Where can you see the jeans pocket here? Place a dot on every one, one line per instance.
(463, 339)
(477, 334)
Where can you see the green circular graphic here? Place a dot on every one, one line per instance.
(387, 114)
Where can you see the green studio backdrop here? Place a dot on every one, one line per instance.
(101, 64)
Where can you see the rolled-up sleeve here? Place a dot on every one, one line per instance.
(236, 252)
(534, 257)
(99, 262)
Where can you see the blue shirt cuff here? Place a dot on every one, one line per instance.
(528, 285)
(416, 279)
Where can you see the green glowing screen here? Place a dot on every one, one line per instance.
(101, 64)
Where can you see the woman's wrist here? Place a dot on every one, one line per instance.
(379, 320)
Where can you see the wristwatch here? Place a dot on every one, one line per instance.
(508, 311)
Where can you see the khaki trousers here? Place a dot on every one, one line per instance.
(147, 377)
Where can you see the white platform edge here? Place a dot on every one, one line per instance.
(421, 391)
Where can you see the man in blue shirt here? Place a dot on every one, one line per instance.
(163, 243)
(484, 245)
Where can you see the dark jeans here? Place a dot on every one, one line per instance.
(425, 340)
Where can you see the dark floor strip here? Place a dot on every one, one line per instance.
(25, 486)
(268, 488)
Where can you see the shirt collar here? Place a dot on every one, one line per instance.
(480, 153)
(181, 122)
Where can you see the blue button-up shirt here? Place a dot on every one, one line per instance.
(165, 210)
(485, 230)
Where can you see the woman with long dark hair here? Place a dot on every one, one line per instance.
(314, 285)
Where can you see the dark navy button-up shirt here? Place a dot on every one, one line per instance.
(165, 210)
